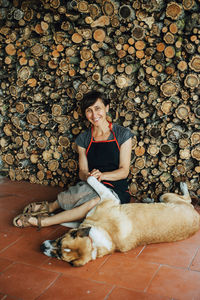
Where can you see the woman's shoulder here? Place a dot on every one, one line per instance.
(83, 139)
(122, 133)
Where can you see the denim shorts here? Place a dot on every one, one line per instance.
(77, 195)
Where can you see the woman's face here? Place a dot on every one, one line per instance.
(96, 113)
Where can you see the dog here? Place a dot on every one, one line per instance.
(111, 226)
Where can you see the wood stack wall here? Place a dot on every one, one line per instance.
(144, 55)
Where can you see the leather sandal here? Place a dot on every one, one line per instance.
(43, 208)
(24, 218)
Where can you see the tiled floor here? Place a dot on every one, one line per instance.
(162, 271)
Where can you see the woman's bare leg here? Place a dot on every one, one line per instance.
(74, 214)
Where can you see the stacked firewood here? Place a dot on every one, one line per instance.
(143, 55)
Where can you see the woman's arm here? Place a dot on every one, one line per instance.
(124, 165)
(83, 164)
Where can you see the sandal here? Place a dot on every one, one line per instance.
(24, 218)
(43, 208)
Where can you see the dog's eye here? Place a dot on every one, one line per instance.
(59, 243)
(67, 250)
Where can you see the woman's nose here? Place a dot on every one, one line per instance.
(94, 114)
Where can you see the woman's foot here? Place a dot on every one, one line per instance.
(27, 220)
(43, 207)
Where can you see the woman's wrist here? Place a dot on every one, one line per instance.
(83, 175)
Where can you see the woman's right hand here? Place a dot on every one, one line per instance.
(97, 174)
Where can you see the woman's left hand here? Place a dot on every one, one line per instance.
(97, 174)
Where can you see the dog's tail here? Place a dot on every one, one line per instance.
(185, 192)
(171, 197)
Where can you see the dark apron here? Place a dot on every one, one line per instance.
(104, 156)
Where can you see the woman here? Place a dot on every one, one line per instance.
(104, 152)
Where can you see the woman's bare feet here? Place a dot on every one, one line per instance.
(27, 220)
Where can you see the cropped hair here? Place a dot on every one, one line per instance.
(90, 98)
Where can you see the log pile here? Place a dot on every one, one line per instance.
(144, 55)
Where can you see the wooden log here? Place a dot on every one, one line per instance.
(153, 150)
(166, 149)
(126, 12)
(138, 33)
(9, 159)
(169, 88)
(32, 118)
(174, 10)
(191, 81)
(169, 52)
(37, 50)
(182, 112)
(188, 4)
(194, 63)
(140, 163)
(99, 35)
(139, 151)
(195, 138)
(195, 153)
(10, 49)
(53, 165)
(109, 8)
(82, 6)
(101, 21)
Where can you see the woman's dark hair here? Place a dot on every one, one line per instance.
(90, 98)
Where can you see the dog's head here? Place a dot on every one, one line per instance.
(75, 247)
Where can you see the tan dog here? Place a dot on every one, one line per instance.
(113, 227)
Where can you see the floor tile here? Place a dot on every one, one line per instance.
(196, 262)
(194, 239)
(6, 297)
(27, 248)
(6, 219)
(70, 287)
(4, 263)
(132, 253)
(13, 202)
(121, 293)
(126, 272)
(176, 283)
(179, 254)
(7, 238)
(63, 267)
(25, 282)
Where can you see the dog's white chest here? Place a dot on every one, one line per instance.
(99, 240)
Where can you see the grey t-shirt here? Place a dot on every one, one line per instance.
(122, 135)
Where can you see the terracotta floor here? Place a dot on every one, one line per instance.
(162, 271)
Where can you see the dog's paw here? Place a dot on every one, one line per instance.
(102, 190)
(148, 200)
(184, 188)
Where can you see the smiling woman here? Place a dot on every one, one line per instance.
(105, 148)
(104, 153)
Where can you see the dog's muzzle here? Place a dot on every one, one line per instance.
(50, 250)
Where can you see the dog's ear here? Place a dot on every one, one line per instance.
(74, 233)
(83, 232)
